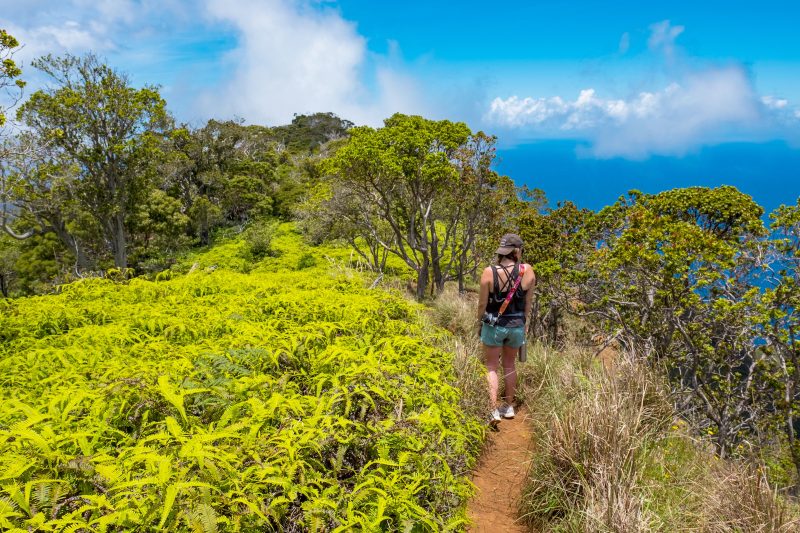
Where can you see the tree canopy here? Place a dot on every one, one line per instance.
(420, 189)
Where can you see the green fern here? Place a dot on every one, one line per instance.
(222, 400)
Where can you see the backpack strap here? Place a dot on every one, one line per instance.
(512, 291)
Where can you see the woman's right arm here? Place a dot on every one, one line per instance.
(483, 295)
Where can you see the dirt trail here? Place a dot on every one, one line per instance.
(500, 477)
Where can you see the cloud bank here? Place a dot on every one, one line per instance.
(284, 56)
(292, 58)
(701, 106)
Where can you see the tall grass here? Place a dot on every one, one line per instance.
(610, 455)
(457, 313)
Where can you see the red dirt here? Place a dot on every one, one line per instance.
(500, 477)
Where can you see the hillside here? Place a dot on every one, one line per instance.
(216, 400)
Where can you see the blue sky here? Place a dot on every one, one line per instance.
(631, 81)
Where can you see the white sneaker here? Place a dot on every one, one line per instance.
(508, 411)
(494, 418)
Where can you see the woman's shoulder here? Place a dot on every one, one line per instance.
(528, 270)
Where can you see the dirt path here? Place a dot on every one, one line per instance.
(500, 476)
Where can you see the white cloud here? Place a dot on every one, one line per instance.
(662, 37)
(80, 26)
(695, 106)
(773, 102)
(289, 56)
(705, 107)
(293, 58)
(67, 36)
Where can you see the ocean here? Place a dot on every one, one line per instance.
(769, 172)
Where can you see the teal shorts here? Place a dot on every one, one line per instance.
(501, 336)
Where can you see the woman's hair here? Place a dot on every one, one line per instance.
(513, 256)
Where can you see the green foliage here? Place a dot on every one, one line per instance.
(691, 281)
(9, 255)
(216, 400)
(553, 240)
(308, 132)
(419, 189)
(9, 70)
(116, 164)
(307, 260)
(158, 226)
(204, 216)
(671, 276)
(33, 264)
(140, 195)
(259, 239)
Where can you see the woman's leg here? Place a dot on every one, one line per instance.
(492, 362)
(510, 372)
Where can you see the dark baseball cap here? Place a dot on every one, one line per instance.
(508, 243)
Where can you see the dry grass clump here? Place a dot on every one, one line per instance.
(456, 313)
(610, 457)
(738, 498)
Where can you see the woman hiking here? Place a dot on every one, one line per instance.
(504, 327)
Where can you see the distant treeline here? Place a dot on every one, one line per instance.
(102, 176)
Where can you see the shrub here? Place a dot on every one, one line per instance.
(217, 400)
(306, 260)
(259, 239)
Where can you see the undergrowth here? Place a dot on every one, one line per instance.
(210, 399)
(610, 455)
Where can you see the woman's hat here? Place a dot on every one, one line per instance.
(508, 243)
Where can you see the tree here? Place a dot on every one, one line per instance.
(39, 188)
(781, 322)
(308, 132)
(109, 130)
(481, 206)
(421, 190)
(158, 226)
(672, 275)
(554, 240)
(239, 170)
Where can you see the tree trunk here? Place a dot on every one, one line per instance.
(82, 263)
(422, 279)
(119, 242)
(4, 285)
(436, 260)
(438, 276)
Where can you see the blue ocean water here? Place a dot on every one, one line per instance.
(769, 172)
